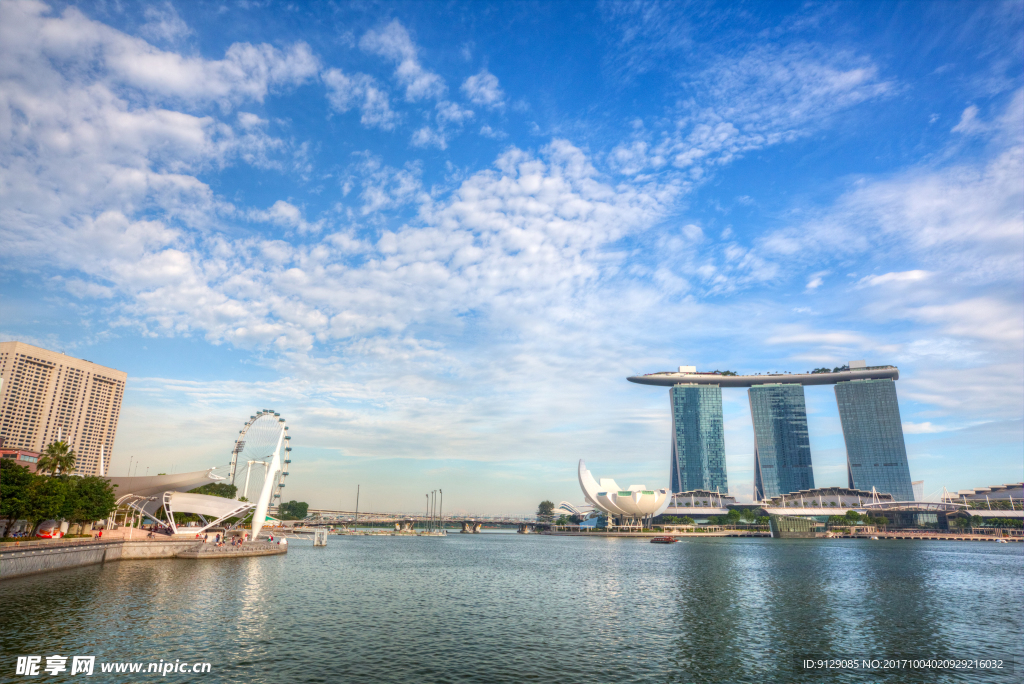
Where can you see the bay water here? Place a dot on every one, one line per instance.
(496, 608)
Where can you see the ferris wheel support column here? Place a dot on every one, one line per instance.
(245, 489)
(259, 516)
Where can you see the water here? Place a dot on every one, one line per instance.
(514, 608)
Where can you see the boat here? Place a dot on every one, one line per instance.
(874, 537)
(664, 540)
(1003, 541)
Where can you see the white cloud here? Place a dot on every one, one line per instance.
(394, 43)
(914, 276)
(450, 118)
(164, 24)
(483, 89)
(288, 215)
(924, 428)
(247, 72)
(768, 95)
(816, 281)
(969, 123)
(383, 186)
(360, 90)
(489, 132)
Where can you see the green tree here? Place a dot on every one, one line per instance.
(46, 497)
(881, 521)
(733, 517)
(546, 510)
(852, 516)
(14, 487)
(686, 520)
(563, 520)
(293, 510)
(217, 489)
(88, 499)
(57, 458)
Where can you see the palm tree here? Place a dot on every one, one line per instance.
(58, 457)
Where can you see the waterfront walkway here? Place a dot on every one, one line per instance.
(212, 551)
(18, 559)
(931, 536)
(717, 533)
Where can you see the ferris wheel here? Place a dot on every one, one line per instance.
(260, 458)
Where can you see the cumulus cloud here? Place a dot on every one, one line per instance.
(360, 90)
(450, 118)
(483, 89)
(394, 43)
(288, 215)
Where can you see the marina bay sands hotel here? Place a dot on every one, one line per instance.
(876, 455)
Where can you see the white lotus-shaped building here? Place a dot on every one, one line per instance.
(636, 502)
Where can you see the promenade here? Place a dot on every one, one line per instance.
(18, 559)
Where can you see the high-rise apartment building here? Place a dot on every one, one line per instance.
(698, 440)
(876, 455)
(782, 448)
(46, 396)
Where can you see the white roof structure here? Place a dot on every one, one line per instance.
(158, 484)
(636, 501)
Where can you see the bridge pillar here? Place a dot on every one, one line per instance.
(476, 527)
(465, 528)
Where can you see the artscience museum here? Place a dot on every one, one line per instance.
(628, 507)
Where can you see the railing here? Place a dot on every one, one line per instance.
(57, 543)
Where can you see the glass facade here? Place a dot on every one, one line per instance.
(698, 439)
(876, 455)
(782, 450)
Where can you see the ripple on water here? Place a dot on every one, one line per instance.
(501, 608)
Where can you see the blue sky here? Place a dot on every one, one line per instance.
(437, 238)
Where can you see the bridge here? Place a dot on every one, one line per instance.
(405, 522)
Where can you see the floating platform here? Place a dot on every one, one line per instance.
(210, 551)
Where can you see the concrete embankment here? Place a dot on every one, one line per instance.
(31, 559)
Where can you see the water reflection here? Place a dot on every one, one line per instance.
(509, 608)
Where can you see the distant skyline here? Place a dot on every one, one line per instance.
(438, 238)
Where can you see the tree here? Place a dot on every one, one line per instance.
(293, 510)
(45, 499)
(14, 485)
(961, 522)
(881, 521)
(852, 516)
(563, 520)
(686, 520)
(545, 510)
(88, 499)
(733, 517)
(57, 457)
(216, 489)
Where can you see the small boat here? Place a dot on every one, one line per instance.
(664, 540)
(874, 537)
(1003, 541)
